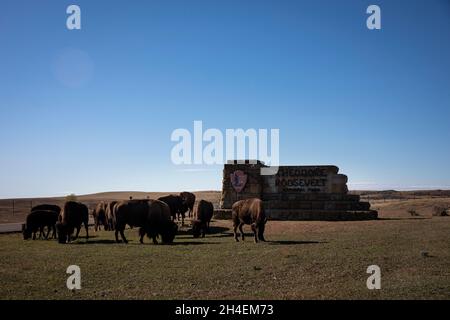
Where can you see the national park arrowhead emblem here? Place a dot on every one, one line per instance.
(238, 180)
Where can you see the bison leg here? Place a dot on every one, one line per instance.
(48, 232)
(255, 233)
(86, 226)
(78, 233)
(261, 235)
(123, 236)
(141, 235)
(235, 233)
(241, 231)
(120, 228)
(117, 235)
(70, 235)
(155, 241)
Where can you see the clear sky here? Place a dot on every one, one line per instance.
(92, 110)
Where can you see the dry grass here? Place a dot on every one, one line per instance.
(316, 260)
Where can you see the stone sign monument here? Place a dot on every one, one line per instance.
(294, 193)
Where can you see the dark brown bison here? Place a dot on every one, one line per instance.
(99, 214)
(189, 201)
(249, 211)
(73, 215)
(47, 207)
(176, 205)
(203, 214)
(37, 220)
(110, 214)
(152, 216)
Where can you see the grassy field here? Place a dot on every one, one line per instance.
(301, 260)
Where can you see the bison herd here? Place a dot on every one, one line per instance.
(153, 218)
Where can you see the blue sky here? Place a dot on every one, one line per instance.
(92, 110)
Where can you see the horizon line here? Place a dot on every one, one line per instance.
(403, 189)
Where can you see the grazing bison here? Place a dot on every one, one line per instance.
(249, 211)
(73, 215)
(37, 220)
(188, 201)
(47, 207)
(99, 214)
(176, 205)
(110, 214)
(203, 215)
(152, 216)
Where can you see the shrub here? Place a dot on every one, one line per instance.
(71, 197)
(413, 213)
(439, 211)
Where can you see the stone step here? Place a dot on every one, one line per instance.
(318, 205)
(308, 215)
(292, 196)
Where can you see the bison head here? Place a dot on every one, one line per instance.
(169, 233)
(196, 228)
(26, 232)
(62, 232)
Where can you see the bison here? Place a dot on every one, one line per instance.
(73, 215)
(176, 205)
(99, 214)
(152, 216)
(110, 214)
(47, 207)
(249, 211)
(189, 201)
(37, 220)
(203, 215)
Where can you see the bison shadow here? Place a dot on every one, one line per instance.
(98, 241)
(136, 242)
(188, 243)
(225, 235)
(399, 219)
(213, 230)
(293, 242)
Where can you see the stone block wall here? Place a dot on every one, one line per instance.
(295, 192)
